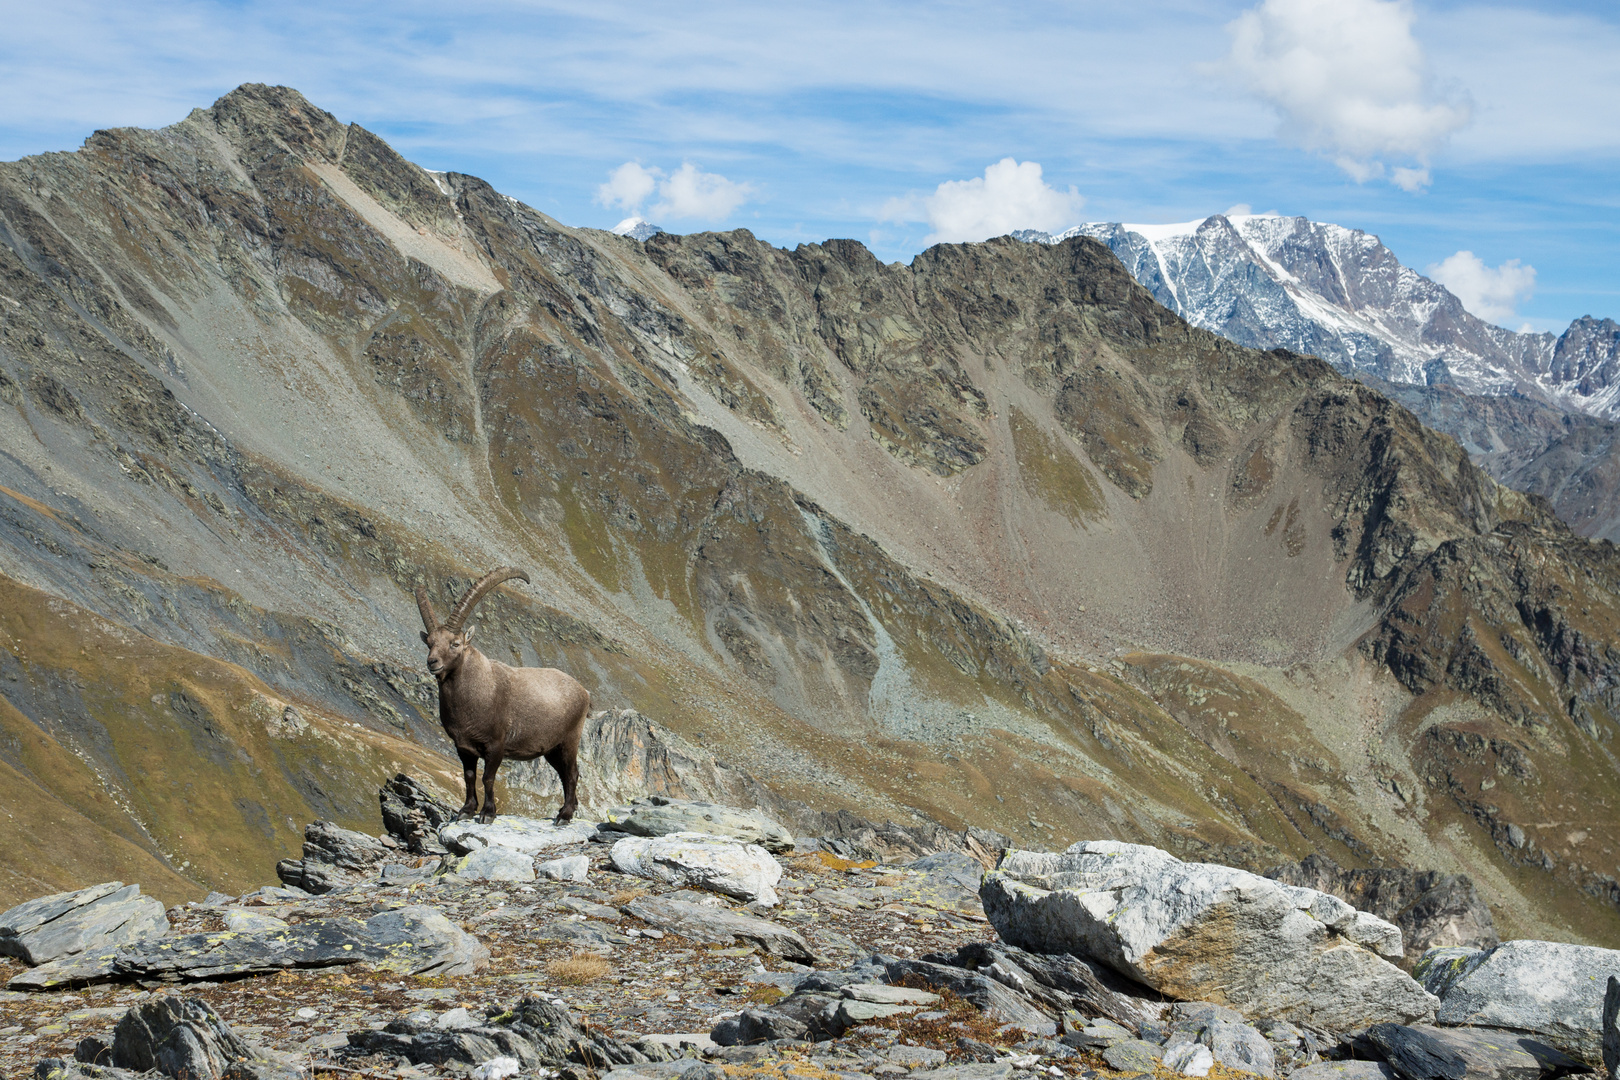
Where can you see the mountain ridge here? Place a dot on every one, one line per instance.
(993, 538)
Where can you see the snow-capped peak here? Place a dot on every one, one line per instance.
(636, 228)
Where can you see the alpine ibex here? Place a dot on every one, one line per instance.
(495, 712)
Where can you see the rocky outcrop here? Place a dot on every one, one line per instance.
(101, 917)
(513, 833)
(1432, 909)
(413, 815)
(535, 1031)
(1551, 991)
(698, 860)
(333, 857)
(1208, 933)
(660, 816)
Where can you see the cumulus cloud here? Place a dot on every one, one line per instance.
(1349, 80)
(1010, 195)
(1493, 295)
(686, 193)
(628, 186)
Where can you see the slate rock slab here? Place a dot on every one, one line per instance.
(661, 816)
(49, 928)
(1494, 1054)
(527, 835)
(414, 940)
(694, 860)
(1204, 932)
(1060, 981)
(715, 926)
(1416, 1055)
(1550, 990)
(588, 934)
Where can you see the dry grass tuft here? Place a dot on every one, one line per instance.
(624, 896)
(828, 859)
(579, 969)
(764, 995)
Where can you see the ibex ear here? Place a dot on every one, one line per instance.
(424, 637)
(466, 635)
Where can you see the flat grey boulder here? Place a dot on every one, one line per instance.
(517, 833)
(414, 940)
(660, 816)
(103, 916)
(700, 861)
(716, 926)
(572, 868)
(1203, 932)
(1546, 989)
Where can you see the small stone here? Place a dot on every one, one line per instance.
(1133, 1055)
(1189, 1059)
(573, 868)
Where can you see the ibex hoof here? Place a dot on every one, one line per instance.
(486, 818)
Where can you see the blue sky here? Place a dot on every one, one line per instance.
(844, 119)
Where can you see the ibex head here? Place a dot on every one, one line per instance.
(447, 642)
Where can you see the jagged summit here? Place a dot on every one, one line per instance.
(1272, 281)
(636, 228)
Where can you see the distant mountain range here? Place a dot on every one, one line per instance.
(1536, 411)
(1268, 281)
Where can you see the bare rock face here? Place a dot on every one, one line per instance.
(413, 815)
(1433, 910)
(1548, 989)
(51, 928)
(1203, 932)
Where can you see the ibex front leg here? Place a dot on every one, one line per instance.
(469, 773)
(491, 763)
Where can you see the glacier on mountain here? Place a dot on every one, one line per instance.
(1269, 281)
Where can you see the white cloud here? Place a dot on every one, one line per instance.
(1010, 195)
(1349, 80)
(1491, 294)
(628, 186)
(691, 193)
(688, 192)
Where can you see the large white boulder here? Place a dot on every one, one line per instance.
(1546, 989)
(719, 864)
(1203, 932)
(518, 833)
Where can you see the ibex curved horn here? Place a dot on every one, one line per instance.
(476, 593)
(429, 620)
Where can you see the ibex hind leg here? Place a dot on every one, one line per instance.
(469, 773)
(565, 759)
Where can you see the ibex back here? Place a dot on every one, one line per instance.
(494, 712)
